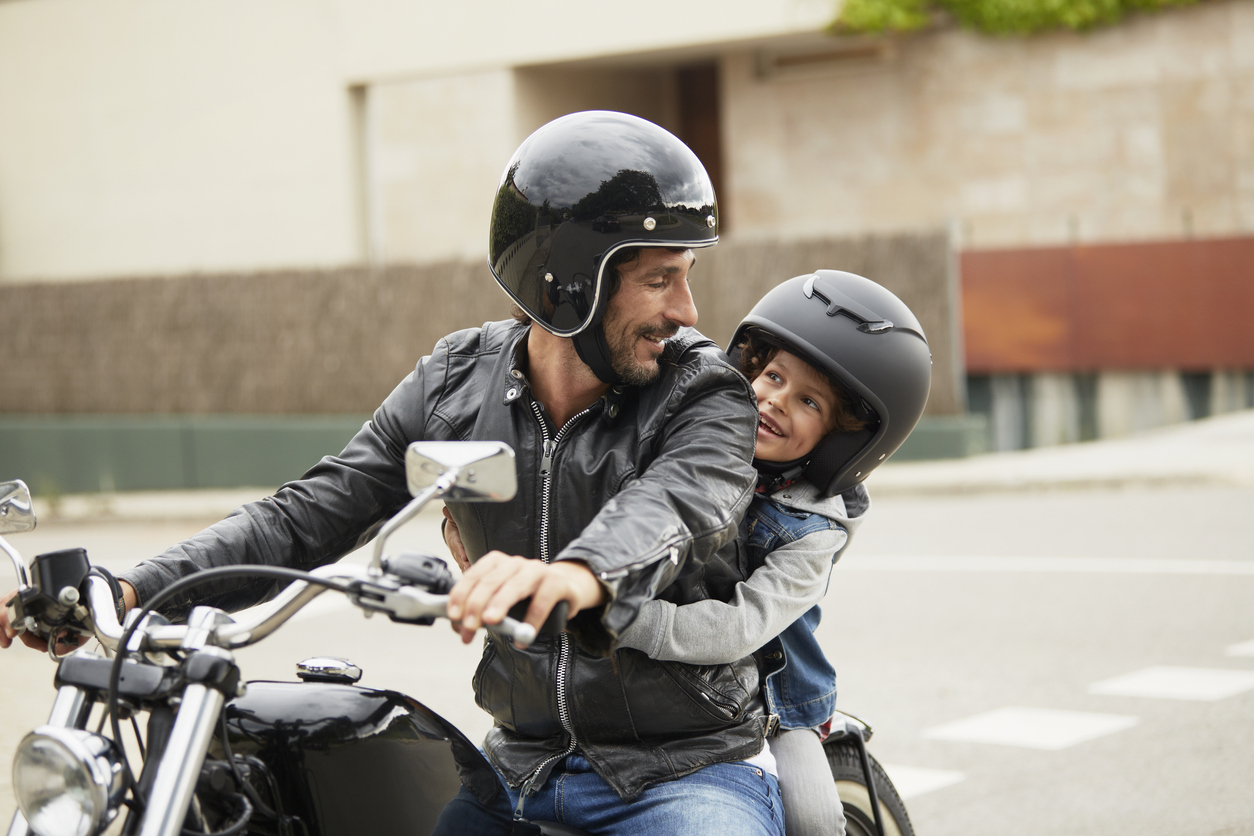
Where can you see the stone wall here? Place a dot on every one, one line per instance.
(337, 341)
(1140, 131)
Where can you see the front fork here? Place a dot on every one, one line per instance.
(180, 765)
(210, 676)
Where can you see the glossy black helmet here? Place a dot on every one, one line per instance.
(865, 338)
(577, 191)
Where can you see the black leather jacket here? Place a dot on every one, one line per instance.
(647, 487)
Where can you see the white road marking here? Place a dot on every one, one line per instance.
(1208, 684)
(1033, 728)
(1082, 565)
(912, 781)
(1242, 649)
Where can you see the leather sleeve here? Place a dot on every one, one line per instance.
(336, 507)
(686, 504)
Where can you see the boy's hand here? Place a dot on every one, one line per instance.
(453, 539)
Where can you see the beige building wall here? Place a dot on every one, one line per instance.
(434, 152)
(435, 148)
(145, 137)
(1141, 131)
(150, 137)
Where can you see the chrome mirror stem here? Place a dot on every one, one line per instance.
(441, 486)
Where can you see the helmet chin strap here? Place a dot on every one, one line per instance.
(592, 348)
(774, 475)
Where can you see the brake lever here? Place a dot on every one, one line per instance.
(413, 605)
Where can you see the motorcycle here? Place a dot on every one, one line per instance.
(318, 757)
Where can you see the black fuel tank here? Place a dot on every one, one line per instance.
(349, 760)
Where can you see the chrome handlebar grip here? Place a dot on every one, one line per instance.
(103, 610)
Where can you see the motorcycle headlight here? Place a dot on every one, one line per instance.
(68, 781)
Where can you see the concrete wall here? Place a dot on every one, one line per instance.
(1046, 408)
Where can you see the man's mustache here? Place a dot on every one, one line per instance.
(663, 330)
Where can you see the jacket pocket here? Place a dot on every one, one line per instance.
(698, 683)
(488, 697)
(670, 699)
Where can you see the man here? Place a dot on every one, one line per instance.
(633, 438)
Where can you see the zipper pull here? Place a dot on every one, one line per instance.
(522, 800)
(529, 787)
(546, 463)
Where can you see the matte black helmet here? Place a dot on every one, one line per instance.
(577, 191)
(866, 338)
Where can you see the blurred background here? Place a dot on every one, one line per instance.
(228, 228)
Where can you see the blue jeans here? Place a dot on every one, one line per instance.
(724, 799)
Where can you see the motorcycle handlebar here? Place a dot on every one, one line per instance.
(368, 589)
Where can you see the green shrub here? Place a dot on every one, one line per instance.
(993, 17)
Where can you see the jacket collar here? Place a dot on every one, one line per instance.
(513, 381)
(514, 384)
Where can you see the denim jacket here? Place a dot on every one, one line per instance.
(800, 681)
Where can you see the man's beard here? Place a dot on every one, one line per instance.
(623, 354)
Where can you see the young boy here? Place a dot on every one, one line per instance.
(841, 372)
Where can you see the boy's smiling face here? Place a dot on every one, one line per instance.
(796, 408)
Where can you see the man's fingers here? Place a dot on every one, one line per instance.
(34, 642)
(7, 633)
(497, 581)
(569, 581)
(526, 579)
(472, 596)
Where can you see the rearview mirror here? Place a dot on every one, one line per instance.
(480, 471)
(16, 513)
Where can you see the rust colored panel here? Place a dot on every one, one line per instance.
(1016, 309)
(1165, 305)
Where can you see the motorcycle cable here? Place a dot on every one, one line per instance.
(245, 787)
(113, 701)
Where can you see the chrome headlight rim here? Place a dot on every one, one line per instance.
(96, 757)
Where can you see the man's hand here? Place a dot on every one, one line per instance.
(7, 631)
(453, 539)
(497, 581)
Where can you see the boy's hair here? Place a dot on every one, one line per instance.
(757, 353)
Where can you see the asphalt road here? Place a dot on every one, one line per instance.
(963, 627)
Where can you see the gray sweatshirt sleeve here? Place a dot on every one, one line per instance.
(793, 579)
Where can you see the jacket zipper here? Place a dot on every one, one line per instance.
(549, 448)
